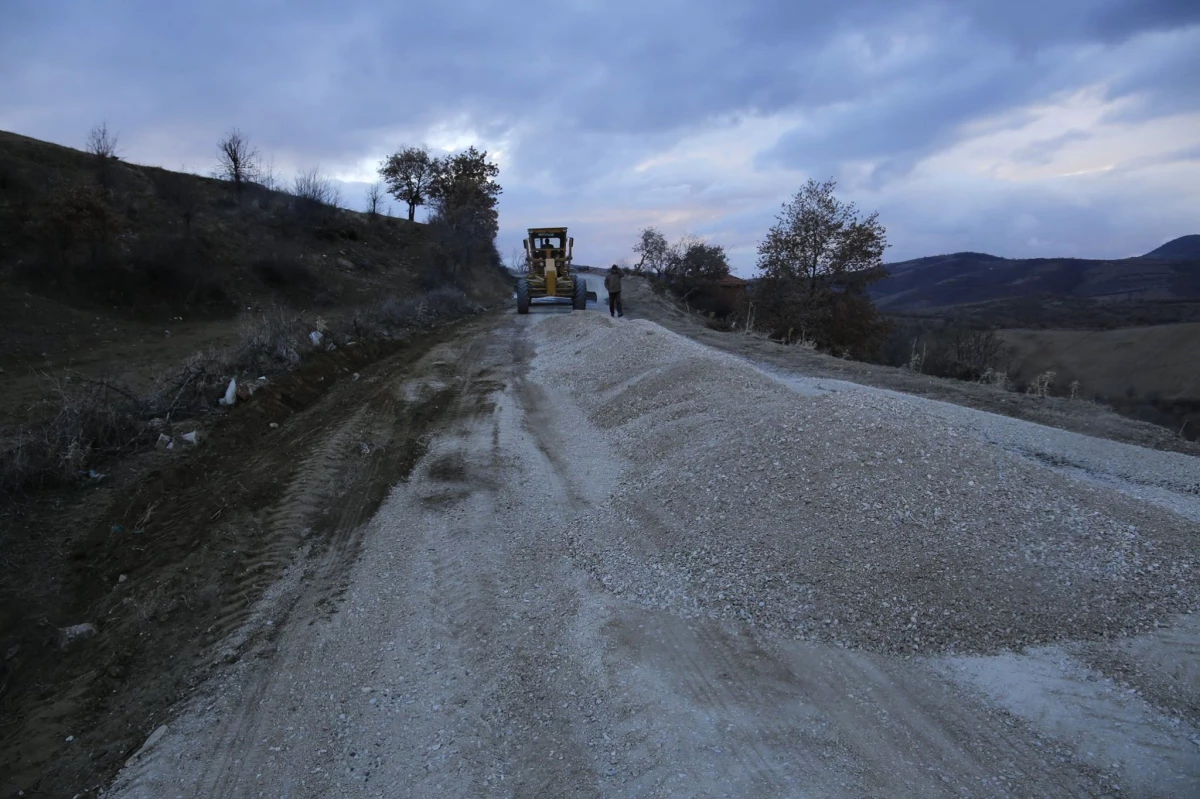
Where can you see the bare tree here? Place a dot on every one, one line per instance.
(101, 143)
(375, 196)
(974, 352)
(517, 260)
(268, 177)
(237, 161)
(317, 188)
(408, 174)
(653, 251)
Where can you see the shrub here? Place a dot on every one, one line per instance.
(82, 420)
(314, 190)
(1040, 385)
(425, 310)
(335, 234)
(272, 341)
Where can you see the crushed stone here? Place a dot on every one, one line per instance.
(858, 518)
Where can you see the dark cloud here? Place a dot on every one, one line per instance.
(1162, 77)
(1120, 20)
(909, 119)
(578, 93)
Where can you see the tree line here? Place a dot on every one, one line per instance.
(460, 188)
(86, 218)
(813, 270)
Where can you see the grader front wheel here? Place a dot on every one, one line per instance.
(579, 302)
(522, 296)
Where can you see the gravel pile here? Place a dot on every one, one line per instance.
(856, 518)
(1168, 479)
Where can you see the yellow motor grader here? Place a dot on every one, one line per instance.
(548, 273)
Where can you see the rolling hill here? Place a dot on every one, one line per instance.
(978, 283)
(1184, 247)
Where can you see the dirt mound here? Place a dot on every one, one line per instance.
(854, 517)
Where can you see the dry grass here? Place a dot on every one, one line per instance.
(1158, 359)
(83, 421)
(419, 312)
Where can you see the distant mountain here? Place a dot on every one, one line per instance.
(1182, 248)
(943, 282)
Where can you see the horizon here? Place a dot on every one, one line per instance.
(391, 207)
(984, 127)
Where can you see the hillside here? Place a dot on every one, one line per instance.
(153, 244)
(1054, 291)
(1184, 247)
(1153, 365)
(121, 271)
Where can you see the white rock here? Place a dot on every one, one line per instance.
(230, 393)
(154, 738)
(69, 636)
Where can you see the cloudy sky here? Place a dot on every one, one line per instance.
(1021, 128)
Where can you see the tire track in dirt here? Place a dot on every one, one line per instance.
(1102, 723)
(397, 430)
(394, 420)
(205, 537)
(289, 523)
(714, 674)
(193, 544)
(911, 730)
(1163, 666)
(477, 577)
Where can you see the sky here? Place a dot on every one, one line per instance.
(1018, 128)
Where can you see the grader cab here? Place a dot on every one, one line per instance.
(549, 276)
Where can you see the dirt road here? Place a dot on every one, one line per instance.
(547, 606)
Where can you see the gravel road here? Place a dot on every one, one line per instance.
(630, 565)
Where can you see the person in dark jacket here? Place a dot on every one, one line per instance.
(612, 282)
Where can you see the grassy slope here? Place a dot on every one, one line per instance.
(189, 260)
(1157, 360)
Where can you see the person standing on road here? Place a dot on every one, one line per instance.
(612, 283)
